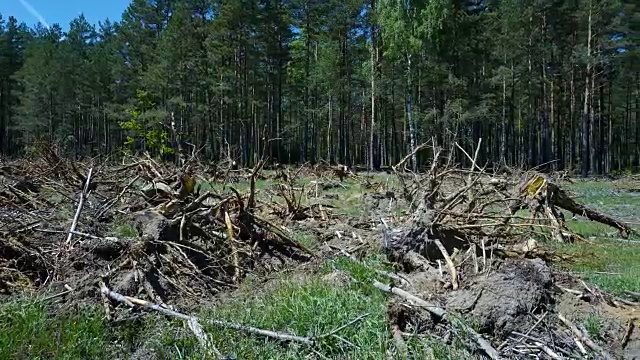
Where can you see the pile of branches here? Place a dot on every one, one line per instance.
(478, 235)
(184, 241)
(464, 208)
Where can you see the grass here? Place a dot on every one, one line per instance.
(594, 325)
(612, 266)
(125, 230)
(307, 240)
(309, 304)
(29, 331)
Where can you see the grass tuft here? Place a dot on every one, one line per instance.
(27, 331)
(306, 307)
(125, 230)
(594, 325)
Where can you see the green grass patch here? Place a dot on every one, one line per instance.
(611, 265)
(126, 230)
(305, 307)
(588, 228)
(349, 201)
(307, 240)
(605, 196)
(594, 325)
(29, 331)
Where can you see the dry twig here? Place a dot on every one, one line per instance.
(585, 338)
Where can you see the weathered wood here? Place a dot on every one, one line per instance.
(83, 196)
(541, 189)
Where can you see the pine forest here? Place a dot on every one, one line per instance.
(547, 83)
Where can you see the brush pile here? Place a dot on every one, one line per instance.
(144, 228)
(472, 249)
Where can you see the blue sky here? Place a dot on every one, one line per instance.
(62, 11)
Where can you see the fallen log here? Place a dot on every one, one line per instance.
(548, 195)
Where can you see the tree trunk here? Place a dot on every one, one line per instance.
(412, 126)
(503, 134)
(373, 88)
(586, 150)
(572, 134)
(609, 156)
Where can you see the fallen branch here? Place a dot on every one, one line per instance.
(55, 296)
(271, 334)
(584, 338)
(313, 341)
(202, 337)
(234, 251)
(627, 333)
(192, 321)
(83, 196)
(452, 267)
(633, 294)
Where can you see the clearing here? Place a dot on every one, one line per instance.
(147, 260)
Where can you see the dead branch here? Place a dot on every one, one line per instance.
(192, 321)
(452, 267)
(585, 338)
(627, 333)
(406, 158)
(234, 252)
(83, 196)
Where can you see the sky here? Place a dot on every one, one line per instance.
(50, 12)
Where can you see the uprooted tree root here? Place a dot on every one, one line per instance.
(457, 208)
(466, 247)
(185, 242)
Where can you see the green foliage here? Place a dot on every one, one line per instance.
(138, 127)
